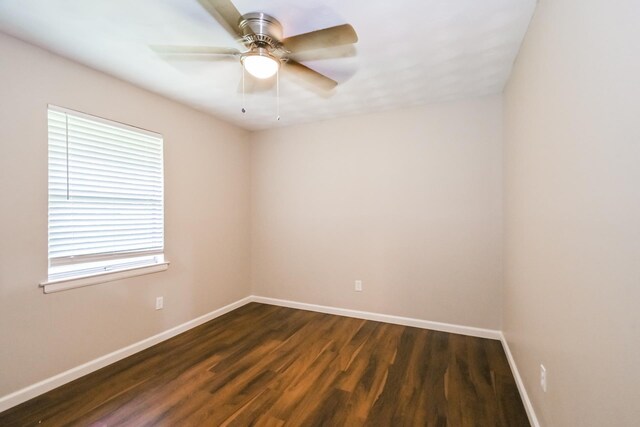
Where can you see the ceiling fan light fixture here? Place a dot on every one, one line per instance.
(260, 63)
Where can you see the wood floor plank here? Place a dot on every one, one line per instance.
(263, 365)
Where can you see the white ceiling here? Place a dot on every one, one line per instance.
(409, 52)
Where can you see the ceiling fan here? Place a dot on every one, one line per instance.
(266, 49)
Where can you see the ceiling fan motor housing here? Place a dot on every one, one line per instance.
(261, 30)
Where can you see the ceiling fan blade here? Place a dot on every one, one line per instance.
(226, 13)
(194, 50)
(328, 37)
(309, 75)
(345, 51)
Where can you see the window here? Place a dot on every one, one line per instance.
(106, 210)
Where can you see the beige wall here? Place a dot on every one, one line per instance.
(572, 248)
(206, 209)
(409, 202)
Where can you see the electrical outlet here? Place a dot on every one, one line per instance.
(543, 378)
(358, 286)
(159, 303)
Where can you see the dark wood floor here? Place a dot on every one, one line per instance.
(272, 366)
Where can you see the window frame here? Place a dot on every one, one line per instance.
(83, 270)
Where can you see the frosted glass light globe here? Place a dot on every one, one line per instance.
(260, 66)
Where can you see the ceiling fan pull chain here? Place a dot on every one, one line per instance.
(278, 94)
(243, 103)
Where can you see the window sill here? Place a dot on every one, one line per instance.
(79, 282)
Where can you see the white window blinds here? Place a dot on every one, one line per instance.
(105, 194)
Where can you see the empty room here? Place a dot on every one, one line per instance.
(320, 213)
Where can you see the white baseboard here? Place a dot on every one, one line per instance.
(406, 321)
(533, 419)
(48, 384)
